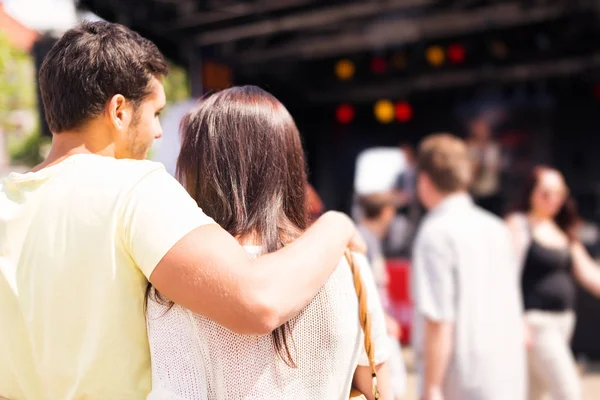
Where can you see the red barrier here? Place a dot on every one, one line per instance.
(399, 295)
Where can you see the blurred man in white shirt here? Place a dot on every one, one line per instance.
(469, 340)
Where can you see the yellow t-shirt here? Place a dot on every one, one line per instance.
(78, 241)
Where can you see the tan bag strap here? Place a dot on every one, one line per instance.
(364, 318)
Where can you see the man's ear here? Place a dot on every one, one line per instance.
(120, 112)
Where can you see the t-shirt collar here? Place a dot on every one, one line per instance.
(454, 200)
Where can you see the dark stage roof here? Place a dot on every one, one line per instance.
(290, 41)
(261, 31)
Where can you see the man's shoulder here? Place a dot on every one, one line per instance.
(448, 224)
(128, 167)
(490, 220)
(110, 176)
(442, 222)
(429, 224)
(433, 229)
(490, 228)
(122, 172)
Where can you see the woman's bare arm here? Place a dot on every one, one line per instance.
(209, 273)
(585, 269)
(363, 381)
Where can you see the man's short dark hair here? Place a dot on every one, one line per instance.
(372, 205)
(445, 159)
(90, 64)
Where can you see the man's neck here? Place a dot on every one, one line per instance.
(441, 197)
(68, 143)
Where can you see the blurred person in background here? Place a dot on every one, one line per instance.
(468, 328)
(544, 224)
(377, 213)
(83, 233)
(316, 355)
(407, 181)
(486, 155)
(398, 241)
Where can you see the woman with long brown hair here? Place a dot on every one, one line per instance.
(544, 224)
(242, 161)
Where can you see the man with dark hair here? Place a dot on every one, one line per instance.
(469, 341)
(377, 211)
(403, 227)
(84, 232)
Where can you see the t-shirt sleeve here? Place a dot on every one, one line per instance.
(434, 278)
(156, 214)
(379, 335)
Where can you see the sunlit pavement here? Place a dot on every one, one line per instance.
(590, 378)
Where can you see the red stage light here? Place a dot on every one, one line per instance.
(378, 65)
(403, 111)
(344, 113)
(456, 53)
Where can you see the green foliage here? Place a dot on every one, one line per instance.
(29, 151)
(17, 93)
(17, 79)
(176, 84)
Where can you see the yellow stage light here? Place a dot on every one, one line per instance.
(435, 55)
(344, 69)
(384, 111)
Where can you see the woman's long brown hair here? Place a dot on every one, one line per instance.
(567, 218)
(242, 161)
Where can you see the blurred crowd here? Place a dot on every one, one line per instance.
(493, 283)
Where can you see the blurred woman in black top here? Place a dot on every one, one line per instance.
(544, 226)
